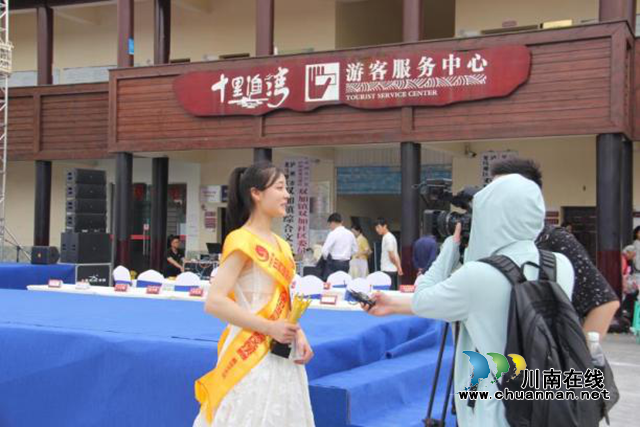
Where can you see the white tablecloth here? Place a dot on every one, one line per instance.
(182, 296)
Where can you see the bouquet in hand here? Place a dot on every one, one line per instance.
(298, 306)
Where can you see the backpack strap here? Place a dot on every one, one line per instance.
(548, 265)
(506, 266)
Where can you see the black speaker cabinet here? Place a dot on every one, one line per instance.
(90, 206)
(86, 176)
(86, 222)
(95, 274)
(44, 255)
(86, 191)
(85, 248)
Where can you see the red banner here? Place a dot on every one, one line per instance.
(385, 80)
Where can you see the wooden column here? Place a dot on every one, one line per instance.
(410, 201)
(626, 194)
(159, 191)
(160, 166)
(162, 31)
(616, 10)
(262, 155)
(124, 161)
(123, 208)
(264, 47)
(125, 33)
(42, 203)
(411, 20)
(42, 208)
(45, 45)
(410, 158)
(608, 207)
(264, 27)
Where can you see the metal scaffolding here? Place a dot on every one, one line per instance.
(5, 71)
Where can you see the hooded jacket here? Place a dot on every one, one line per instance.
(508, 215)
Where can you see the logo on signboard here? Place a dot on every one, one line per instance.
(322, 82)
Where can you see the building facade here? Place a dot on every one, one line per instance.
(93, 87)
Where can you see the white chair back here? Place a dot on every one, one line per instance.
(121, 274)
(340, 279)
(361, 285)
(188, 278)
(310, 286)
(418, 278)
(213, 273)
(149, 277)
(379, 280)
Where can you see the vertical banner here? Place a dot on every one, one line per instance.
(296, 223)
(488, 158)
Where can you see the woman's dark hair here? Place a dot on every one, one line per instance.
(357, 228)
(260, 176)
(525, 167)
(635, 233)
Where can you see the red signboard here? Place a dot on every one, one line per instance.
(153, 290)
(390, 78)
(196, 291)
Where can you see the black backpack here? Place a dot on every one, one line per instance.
(544, 328)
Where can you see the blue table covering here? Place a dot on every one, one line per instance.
(77, 360)
(15, 275)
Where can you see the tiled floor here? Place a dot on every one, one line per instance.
(623, 354)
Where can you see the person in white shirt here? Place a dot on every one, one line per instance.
(389, 258)
(339, 247)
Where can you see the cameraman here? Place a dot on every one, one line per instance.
(508, 215)
(594, 300)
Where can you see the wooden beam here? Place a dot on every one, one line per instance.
(45, 45)
(125, 33)
(162, 32)
(264, 27)
(411, 20)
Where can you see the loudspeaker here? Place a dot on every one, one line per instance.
(95, 274)
(86, 222)
(85, 248)
(44, 255)
(86, 191)
(86, 176)
(92, 206)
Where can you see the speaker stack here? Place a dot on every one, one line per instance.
(85, 241)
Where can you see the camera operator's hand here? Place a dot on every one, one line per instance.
(457, 235)
(387, 305)
(383, 306)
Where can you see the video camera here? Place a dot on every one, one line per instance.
(438, 220)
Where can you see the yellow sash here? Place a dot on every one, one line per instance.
(248, 347)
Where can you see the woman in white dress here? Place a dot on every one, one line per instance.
(250, 386)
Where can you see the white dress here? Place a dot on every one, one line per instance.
(275, 393)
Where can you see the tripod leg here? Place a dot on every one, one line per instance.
(429, 421)
(449, 390)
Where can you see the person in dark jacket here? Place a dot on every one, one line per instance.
(593, 298)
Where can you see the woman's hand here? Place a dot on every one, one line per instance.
(303, 349)
(282, 331)
(457, 234)
(383, 306)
